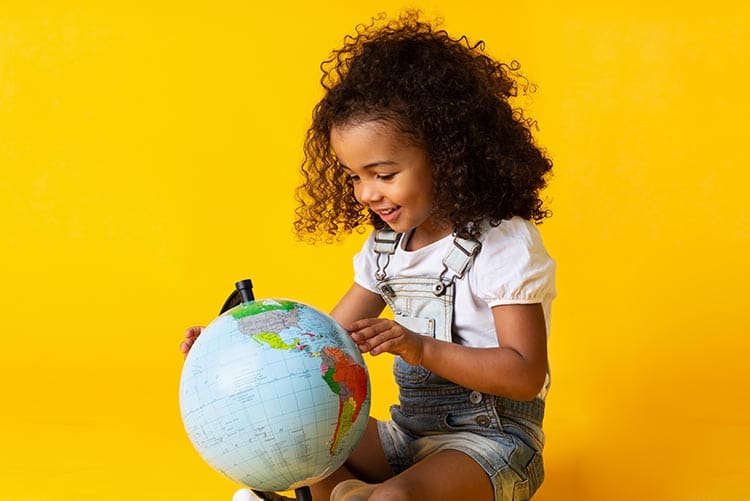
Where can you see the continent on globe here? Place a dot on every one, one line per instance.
(266, 316)
(348, 380)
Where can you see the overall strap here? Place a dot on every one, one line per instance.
(461, 256)
(386, 242)
(456, 263)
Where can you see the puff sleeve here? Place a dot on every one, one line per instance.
(364, 265)
(513, 266)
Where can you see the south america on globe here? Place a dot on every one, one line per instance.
(274, 394)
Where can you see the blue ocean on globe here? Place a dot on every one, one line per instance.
(274, 394)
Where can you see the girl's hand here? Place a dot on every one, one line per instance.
(190, 336)
(379, 335)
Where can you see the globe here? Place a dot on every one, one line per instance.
(274, 394)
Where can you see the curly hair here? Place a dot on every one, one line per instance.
(446, 96)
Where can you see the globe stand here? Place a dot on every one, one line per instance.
(243, 293)
(303, 494)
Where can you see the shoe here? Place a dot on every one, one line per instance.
(248, 495)
(245, 495)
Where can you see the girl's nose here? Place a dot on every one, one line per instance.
(368, 193)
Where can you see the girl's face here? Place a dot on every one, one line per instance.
(390, 176)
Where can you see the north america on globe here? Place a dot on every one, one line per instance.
(265, 321)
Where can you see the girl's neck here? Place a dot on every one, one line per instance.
(426, 234)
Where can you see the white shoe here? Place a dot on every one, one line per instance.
(248, 495)
(245, 495)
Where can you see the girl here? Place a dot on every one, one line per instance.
(415, 136)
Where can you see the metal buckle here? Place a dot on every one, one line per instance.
(442, 284)
(380, 272)
(466, 251)
(392, 244)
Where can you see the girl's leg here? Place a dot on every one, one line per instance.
(367, 463)
(447, 475)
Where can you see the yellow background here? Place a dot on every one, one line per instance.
(148, 156)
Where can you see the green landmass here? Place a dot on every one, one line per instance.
(256, 307)
(274, 341)
(333, 385)
(347, 409)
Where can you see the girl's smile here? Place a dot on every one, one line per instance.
(391, 176)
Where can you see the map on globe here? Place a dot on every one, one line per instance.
(274, 394)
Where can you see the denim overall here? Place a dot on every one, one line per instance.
(436, 414)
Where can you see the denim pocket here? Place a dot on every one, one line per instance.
(521, 491)
(532, 478)
(407, 374)
(534, 473)
(418, 325)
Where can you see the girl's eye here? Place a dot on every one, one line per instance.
(386, 177)
(353, 178)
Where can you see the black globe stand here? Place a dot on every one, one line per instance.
(243, 293)
(303, 494)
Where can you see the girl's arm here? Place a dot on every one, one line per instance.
(357, 303)
(516, 369)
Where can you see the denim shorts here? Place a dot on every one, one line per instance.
(503, 436)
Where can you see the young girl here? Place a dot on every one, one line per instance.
(415, 136)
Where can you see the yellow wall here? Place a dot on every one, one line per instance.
(148, 157)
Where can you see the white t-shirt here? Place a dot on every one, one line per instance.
(512, 267)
